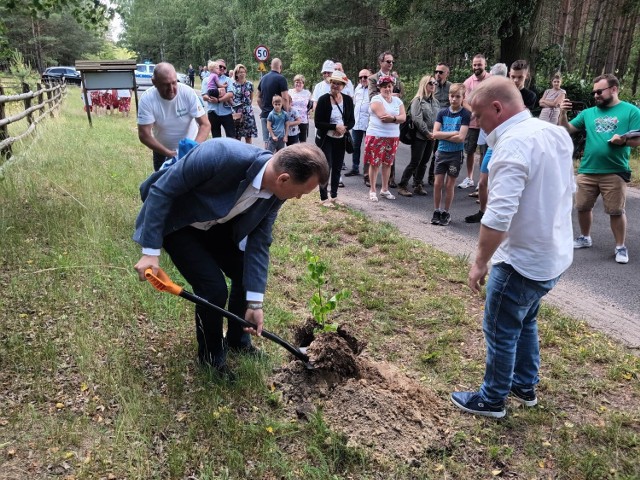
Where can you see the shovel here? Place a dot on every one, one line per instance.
(163, 283)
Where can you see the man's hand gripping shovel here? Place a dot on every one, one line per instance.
(163, 283)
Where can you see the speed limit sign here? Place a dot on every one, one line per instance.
(261, 53)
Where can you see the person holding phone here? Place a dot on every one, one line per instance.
(604, 168)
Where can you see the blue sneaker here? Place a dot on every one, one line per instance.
(472, 402)
(525, 396)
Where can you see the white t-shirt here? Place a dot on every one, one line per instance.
(172, 120)
(376, 127)
(320, 89)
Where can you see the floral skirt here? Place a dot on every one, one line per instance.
(246, 126)
(380, 150)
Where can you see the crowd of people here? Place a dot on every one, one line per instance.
(107, 102)
(217, 207)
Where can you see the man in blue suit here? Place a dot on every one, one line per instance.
(213, 212)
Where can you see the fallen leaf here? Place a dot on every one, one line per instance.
(59, 405)
(495, 473)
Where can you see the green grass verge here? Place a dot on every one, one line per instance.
(98, 373)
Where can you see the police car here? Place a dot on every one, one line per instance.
(144, 72)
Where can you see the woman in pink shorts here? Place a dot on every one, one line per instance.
(383, 132)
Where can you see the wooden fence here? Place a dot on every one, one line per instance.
(34, 112)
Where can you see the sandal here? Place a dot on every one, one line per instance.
(327, 203)
(387, 195)
(373, 197)
(337, 202)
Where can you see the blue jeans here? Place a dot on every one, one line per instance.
(357, 136)
(511, 331)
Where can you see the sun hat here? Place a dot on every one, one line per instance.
(338, 76)
(385, 79)
(328, 66)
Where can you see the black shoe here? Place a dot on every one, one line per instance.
(352, 173)
(526, 396)
(248, 350)
(393, 184)
(222, 371)
(341, 184)
(431, 180)
(475, 218)
(445, 218)
(435, 220)
(366, 181)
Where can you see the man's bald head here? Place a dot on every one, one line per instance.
(276, 64)
(494, 101)
(165, 80)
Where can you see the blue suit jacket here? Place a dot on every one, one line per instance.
(205, 185)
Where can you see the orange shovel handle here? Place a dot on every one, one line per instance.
(162, 282)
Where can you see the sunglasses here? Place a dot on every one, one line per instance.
(390, 62)
(222, 67)
(441, 72)
(599, 91)
(361, 78)
(432, 83)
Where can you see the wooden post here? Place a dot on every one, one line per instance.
(27, 102)
(4, 130)
(49, 96)
(40, 99)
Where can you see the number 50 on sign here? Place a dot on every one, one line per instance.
(261, 53)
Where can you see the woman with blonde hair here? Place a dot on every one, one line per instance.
(300, 98)
(424, 109)
(244, 119)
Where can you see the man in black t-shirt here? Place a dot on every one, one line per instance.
(519, 73)
(273, 83)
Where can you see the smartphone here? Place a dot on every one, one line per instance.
(578, 106)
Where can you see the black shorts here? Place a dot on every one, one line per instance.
(449, 163)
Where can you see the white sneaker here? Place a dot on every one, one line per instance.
(622, 255)
(582, 242)
(466, 183)
(373, 197)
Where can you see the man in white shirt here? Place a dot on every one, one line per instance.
(323, 87)
(168, 112)
(348, 88)
(526, 232)
(361, 112)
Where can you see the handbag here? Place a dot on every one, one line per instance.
(407, 131)
(348, 142)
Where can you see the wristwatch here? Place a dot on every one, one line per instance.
(254, 305)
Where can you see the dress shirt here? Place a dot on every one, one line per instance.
(531, 188)
(361, 107)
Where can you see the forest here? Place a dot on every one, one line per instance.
(580, 38)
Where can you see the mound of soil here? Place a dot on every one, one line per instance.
(373, 404)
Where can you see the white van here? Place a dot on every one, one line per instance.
(144, 72)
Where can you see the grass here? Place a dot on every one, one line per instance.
(98, 375)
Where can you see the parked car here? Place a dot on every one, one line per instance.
(144, 72)
(183, 78)
(57, 74)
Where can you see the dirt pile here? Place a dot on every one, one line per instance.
(373, 404)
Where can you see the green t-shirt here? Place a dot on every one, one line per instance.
(600, 125)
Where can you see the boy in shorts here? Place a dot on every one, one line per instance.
(278, 125)
(450, 128)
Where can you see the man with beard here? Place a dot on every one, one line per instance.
(604, 168)
(471, 142)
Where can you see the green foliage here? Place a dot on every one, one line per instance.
(320, 306)
(92, 14)
(18, 68)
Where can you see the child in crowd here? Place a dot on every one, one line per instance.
(124, 101)
(215, 88)
(294, 119)
(450, 128)
(277, 124)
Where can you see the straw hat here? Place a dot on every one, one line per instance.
(338, 76)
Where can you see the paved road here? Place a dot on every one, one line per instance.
(595, 288)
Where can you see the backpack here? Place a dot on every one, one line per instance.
(407, 131)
